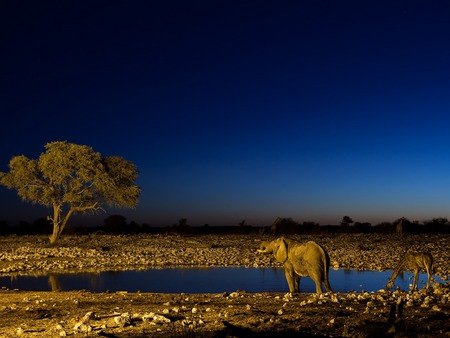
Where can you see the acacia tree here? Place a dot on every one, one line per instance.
(346, 221)
(72, 178)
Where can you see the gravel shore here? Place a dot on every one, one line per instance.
(32, 254)
(424, 313)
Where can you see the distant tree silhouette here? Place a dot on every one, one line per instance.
(4, 228)
(309, 227)
(133, 228)
(440, 220)
(384, 228)
(146, 228)
(363, 227)
(182, 226)
(437, 225)
(346, 221)
(284, 225)
(72, 178)
(182, 222)
(115, 223)
(42, 226)
(24, 227)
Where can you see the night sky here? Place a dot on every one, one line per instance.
(236, 110)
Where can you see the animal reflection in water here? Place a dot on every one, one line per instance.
(300, 259)
(55, 285)
(415, 262)
(54, 282)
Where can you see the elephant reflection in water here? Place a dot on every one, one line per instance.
(300, 259)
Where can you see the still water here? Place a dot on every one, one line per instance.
(203, 280)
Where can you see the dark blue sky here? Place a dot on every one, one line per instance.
(238, 110)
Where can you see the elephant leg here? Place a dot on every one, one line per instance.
(429, 277)
(327, 285)
(318, 281)
(296, 283)
(416, 280)
(318, 287)
(291, 279)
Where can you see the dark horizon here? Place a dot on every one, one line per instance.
(99, 221)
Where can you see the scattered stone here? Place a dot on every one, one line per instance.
(158, 319)
(123, 320)
(82, 328)
(88, 316)
(148, 316)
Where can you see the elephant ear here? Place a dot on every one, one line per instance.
(281, 253)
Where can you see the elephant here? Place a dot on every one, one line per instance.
(300, 259)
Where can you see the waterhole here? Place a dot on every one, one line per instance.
(204, 280)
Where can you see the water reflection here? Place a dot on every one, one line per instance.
(203, 280)
(54, 282)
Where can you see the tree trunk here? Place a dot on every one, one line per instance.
(58, 228)
(56, 232)
(58, 223)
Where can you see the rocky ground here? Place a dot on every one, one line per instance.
(237, 314)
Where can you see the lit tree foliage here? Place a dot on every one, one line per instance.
(72, 178)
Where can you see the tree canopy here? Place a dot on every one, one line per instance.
(346, 221)
(72, 178)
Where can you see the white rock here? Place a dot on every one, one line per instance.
(436, 308)
(82, 327)
(88, 316)
(148, 316)
(124, 319)
(160, 319)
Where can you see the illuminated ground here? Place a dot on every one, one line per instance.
(238, 314)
